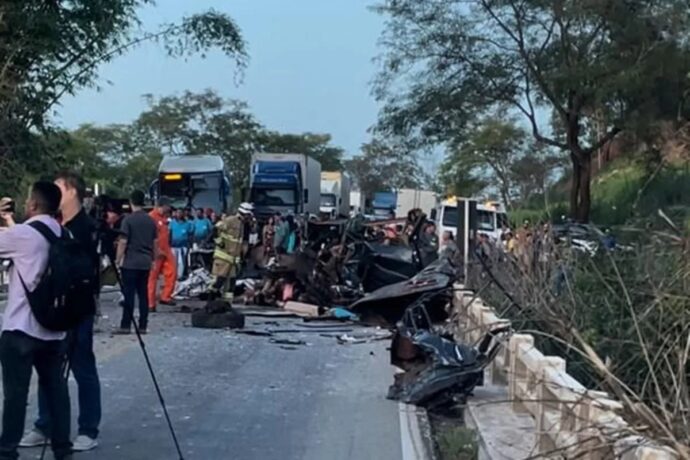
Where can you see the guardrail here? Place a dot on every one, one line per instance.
(570, 420)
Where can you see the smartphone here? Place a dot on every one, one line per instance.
(10, 207)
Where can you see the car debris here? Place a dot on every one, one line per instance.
(290, 342)
(389, 303)
(217, 314)
(437, 370)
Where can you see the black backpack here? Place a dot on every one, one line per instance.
(65, 295)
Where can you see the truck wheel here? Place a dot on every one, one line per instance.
(231, 320)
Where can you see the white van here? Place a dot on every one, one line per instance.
(492, 219)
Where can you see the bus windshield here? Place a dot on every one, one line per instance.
(485, 220)
(450, 216)
(196, 190)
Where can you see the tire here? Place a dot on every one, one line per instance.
(231, 320)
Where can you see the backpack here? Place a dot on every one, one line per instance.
(65, 295)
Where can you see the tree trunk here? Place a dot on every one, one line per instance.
(585, 197)
(575, 186)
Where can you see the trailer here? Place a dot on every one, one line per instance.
(415, 199)
(335, 195)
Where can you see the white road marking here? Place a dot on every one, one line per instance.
(410, 434)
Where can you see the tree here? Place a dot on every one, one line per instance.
(380, 167)
(599, 66)
(50, 48)
(202, 123)
(317, 146)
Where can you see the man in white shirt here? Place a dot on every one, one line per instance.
(24, 343)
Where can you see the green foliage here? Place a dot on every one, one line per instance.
(53, 48)
(496, 158)
(598, 67)
(381, 167)
(625, 193)
(126, 156)
(457, 443)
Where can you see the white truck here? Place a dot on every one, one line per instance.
(412, 199)
(335, 195)
(285, 183)
(357, 203)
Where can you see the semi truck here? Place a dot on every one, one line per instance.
(384, 205)
(285, 183)
(335, 195)
(415, 199)
(193, 181)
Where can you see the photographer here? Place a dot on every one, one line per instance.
(80, 349)
(24, 343)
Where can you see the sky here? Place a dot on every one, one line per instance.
(310, 68)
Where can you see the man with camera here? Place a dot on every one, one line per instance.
(80, 345)
(25, 343)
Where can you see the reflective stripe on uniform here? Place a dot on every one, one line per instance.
(218, 254)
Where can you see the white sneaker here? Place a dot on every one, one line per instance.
(33, 438)
(84, 443)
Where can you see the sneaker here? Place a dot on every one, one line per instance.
(84, 443)
(170, 303)
(33, 438)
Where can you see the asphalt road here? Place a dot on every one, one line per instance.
(234, 396)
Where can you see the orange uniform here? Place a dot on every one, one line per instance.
(164, 264)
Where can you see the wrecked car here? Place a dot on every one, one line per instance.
(438, 371)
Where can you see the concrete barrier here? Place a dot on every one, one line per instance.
(570, 421)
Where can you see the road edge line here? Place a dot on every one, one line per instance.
(415, 433)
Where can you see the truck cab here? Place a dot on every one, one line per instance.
(276, 187)
(384, 205)
(288, 183)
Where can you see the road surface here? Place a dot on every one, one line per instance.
(242, 397)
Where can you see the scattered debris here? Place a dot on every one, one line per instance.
(438, 371)
(255, 332)
(288, 341)
(196, 283)
(218, 314)
(302, 309)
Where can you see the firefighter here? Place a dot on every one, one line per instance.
(164, 262)
(227, 257)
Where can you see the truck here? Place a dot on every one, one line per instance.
(285, 183)
(193, 181)
(357, 202)
(492, 219)
(335, 195)
(409, 199)
(384, 205)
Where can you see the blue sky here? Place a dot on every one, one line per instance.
(310, 68)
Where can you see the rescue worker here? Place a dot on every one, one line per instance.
(164, 260)
(227, 257)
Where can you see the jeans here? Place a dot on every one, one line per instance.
(18, 354)
(135, 282)
(83, 365)
(181, 260)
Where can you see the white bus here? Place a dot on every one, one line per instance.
(198, 181)
(492, 219)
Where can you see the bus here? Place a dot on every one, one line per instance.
(492, 219)
(196, 181)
